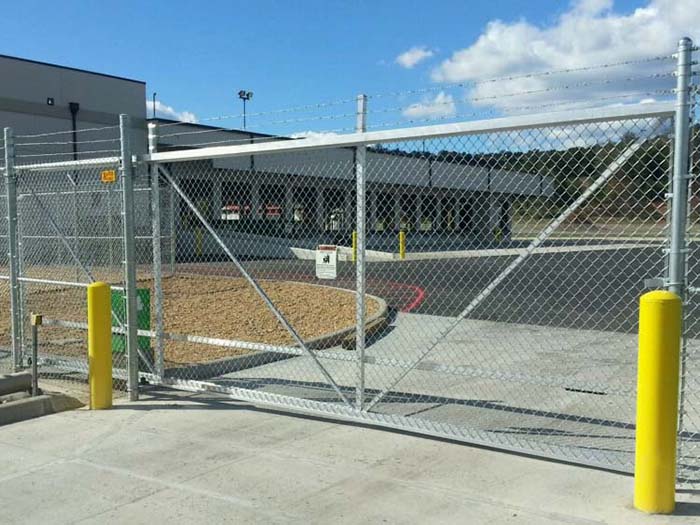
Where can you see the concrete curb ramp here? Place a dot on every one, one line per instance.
(31, 407)
(345, 253)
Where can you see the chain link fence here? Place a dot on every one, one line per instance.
(70, 234)
(689, 427)
(502, 270)
(6, 364)
(526, 335)
(476, 281)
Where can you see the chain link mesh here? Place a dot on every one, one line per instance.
(510, 319)
(242, 293)
(519, 333)
(70, 234)
(5, 319)
(503, 270)
(689, 428)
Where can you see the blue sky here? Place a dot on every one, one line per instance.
(197, 55)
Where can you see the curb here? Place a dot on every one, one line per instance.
(254, 359)
(32, 407)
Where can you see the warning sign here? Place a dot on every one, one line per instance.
(108, 176)
(326, 261)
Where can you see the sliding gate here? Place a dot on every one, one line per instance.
(476, 281)
(511, 318)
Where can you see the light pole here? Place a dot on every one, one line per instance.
(244, 96)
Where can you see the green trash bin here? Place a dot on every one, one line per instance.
(143, 311)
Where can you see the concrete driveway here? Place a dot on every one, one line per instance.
(183, 458)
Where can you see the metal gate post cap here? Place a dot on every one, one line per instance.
(97, 284)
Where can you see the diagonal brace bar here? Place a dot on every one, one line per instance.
(74, 256)
(280, 317)
(612, 168)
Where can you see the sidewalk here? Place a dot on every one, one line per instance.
(181, 458)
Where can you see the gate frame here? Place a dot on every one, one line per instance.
(358, 140)
(13, 248)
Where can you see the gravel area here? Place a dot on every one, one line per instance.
(210, 306)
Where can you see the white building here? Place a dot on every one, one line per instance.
(310, 197)
(258, 202)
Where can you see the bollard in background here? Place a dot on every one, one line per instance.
(198, 241)
(99, 345)
(36, 321)
(354, 246)
(402, 245)
(657, 402)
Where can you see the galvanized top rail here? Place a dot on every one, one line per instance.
(568, 118)
(69, 164)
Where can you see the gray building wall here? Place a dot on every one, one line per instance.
(27, 86)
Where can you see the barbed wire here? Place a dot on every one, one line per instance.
(508, 78)
(408, 121)
(580, 104)
(591, 102)
(248, 140)
(573, 86)
(275, 122)
(550, 89)
(440, 87)
(64, 153)
(204, 132)
(66, 143)
(268, 138)
(294, 109)
(54, 133)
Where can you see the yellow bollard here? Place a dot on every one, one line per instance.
(402, 245)
(354, 246)
(198, 241)
(498, 234)
(99, 345)
(657, 402)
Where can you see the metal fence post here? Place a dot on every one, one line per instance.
(129, 258)
(173, 239)
(679, 207)
(13, 252)
(157, 255)
(359, 249)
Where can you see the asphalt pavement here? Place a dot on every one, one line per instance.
(597, 290)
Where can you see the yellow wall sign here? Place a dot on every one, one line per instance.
(108, 176)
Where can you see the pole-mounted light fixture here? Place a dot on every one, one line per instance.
(244, 96)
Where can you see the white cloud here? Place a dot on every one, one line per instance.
(312, 134)
(442, 106)
(589, 33)
(413, 56)
(164, 111)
